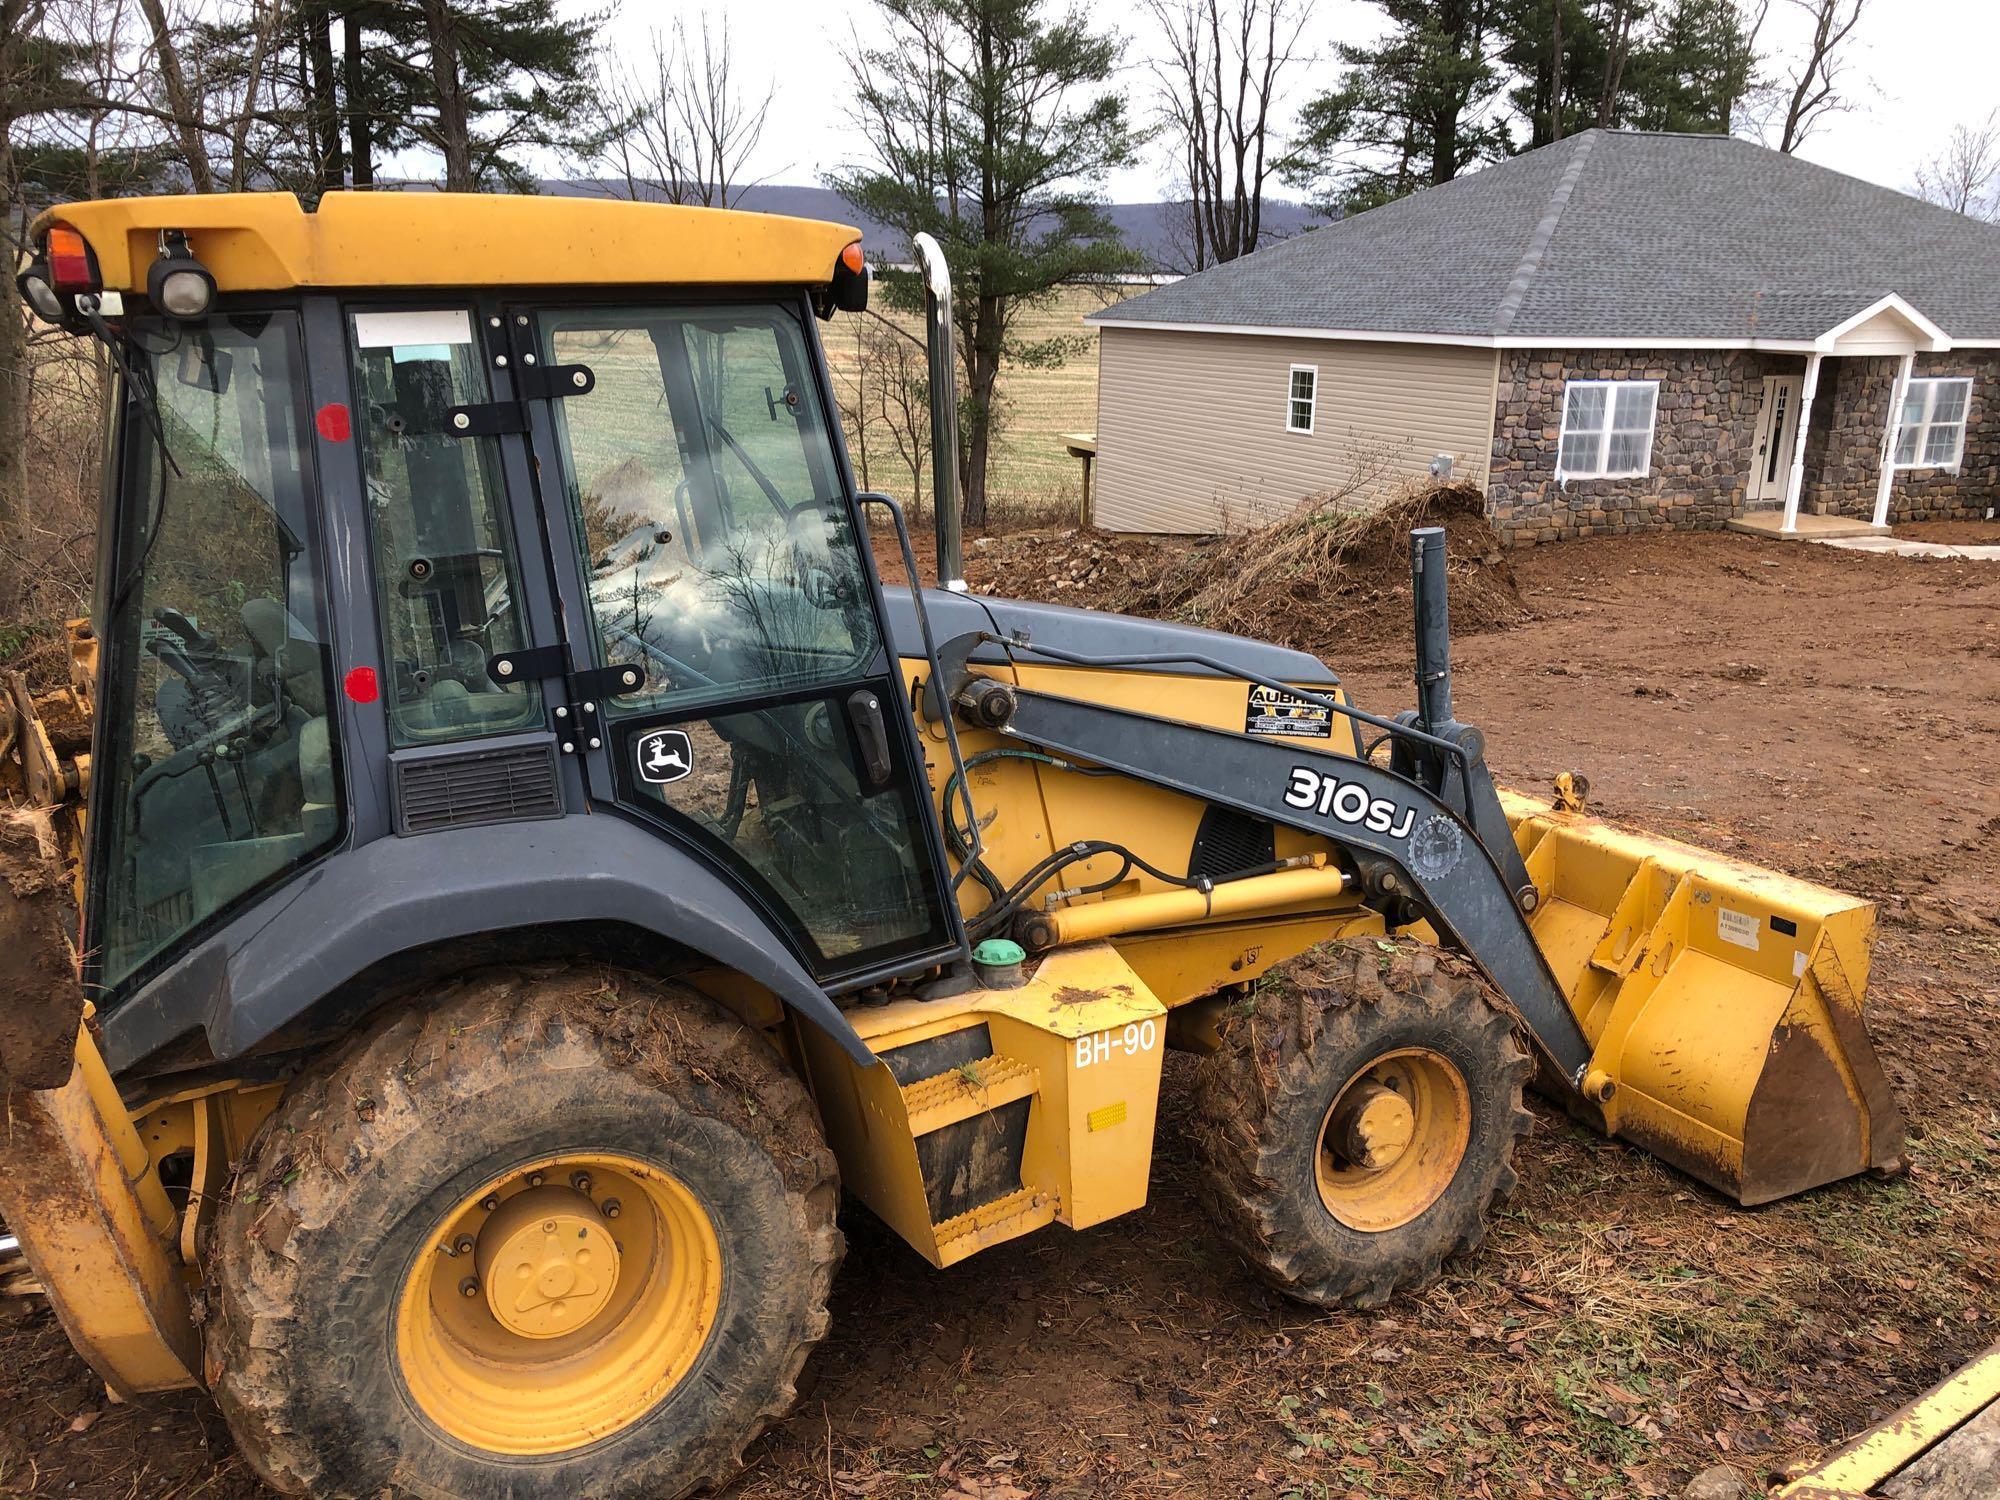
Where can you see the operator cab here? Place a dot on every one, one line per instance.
(389, 562)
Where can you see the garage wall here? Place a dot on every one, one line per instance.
(1191, 426)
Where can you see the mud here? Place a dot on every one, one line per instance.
(41, 1002)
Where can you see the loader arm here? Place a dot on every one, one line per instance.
(1434, 856)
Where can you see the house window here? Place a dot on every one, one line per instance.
(1931, 434)
(1299, 402)
(1607, 428)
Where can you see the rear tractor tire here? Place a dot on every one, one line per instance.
(560, 1232)
(1360, 1119)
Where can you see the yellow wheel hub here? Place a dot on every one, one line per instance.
(1393, 1140)
(558, 1305)
(546, 1262)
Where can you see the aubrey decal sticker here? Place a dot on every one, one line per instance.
(1282, 715)
(1348, 801)
(663, 755)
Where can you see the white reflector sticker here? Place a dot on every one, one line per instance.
(1738, 927)
(1799, 964)
(396, 330)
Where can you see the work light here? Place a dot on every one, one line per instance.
(39, 293)
(177, 284)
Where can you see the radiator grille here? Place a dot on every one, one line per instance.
(1228, 842)
(477, 786)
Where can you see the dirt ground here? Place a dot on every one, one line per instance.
(1829, 712)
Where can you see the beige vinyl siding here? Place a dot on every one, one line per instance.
(1191, 426)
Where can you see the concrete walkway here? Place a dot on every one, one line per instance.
(1903, 548)
(1856, 536)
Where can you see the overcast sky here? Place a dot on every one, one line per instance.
(1916, 68)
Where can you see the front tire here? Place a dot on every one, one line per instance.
(1360, 1119)
(568, 1232)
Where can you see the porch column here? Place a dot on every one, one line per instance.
(1798, 475)
(1887, 477)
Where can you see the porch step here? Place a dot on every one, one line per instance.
(1808, 528)
(990, 1223)
(969, 1090)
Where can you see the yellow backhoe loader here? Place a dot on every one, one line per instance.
(530, 866)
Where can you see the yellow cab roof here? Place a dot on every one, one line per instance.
(267, 242)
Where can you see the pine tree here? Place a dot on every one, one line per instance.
(993, 123)
(479, 82)
(1695, 68)
(1413, 111)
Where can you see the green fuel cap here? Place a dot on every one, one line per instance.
(998, 963)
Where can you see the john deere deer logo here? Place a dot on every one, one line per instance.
(663, 755)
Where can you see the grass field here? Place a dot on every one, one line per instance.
(627, 465)
(1032, 477)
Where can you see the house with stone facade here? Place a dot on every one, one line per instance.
(1617, 332)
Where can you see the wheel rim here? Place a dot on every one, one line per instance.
(1392, 1139)
(558, 1304)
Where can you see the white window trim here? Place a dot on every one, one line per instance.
(1610, 415)
(1312, 405)
(1932, 382)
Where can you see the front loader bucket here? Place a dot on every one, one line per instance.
(1722, 1003)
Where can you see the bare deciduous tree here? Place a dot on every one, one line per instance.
(1965, 176)
(1813, 89)
(181, 101)
(885, 394)
(693, 127)
(900, 398)
(1217, 85)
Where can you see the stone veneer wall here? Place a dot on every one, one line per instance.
(1844, 443)
(1703, 434)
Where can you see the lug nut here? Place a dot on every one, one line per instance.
(534, 1179)
(491, 1202)
(469, 1287)
(463, 1245)
(580, 1181)
(611, 1208)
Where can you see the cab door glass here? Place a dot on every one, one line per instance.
(784, 791)
(720, 556)
(446, 572)
(720, 553)
(219, 770)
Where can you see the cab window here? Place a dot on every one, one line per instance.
(703, 488)
(446, 575)
(219, 765)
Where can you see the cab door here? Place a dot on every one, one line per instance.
(705, 535)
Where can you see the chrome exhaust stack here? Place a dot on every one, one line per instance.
(943, 362)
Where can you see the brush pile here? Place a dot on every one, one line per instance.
(1329, 578)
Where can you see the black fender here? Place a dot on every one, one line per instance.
(274, 961)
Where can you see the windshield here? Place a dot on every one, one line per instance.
(707, 502)
(216, 765)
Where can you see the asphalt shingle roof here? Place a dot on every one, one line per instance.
(1613, 235)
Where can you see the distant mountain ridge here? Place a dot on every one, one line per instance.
(1144, 226)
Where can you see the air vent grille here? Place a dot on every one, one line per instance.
(477, 786)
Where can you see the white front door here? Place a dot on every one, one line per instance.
(1777, 433)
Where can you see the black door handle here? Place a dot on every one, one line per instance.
(864, 712)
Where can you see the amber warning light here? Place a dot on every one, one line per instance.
(70, 262)
(850, 279)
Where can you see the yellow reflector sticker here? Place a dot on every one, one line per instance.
(1105, 1118)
